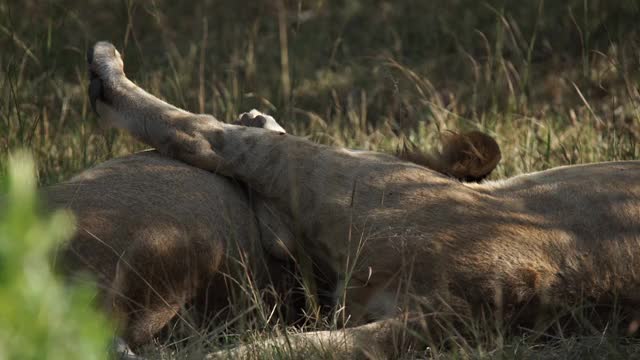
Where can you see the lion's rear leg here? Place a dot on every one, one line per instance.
(154, 280)
(142, 307)
(255, 118)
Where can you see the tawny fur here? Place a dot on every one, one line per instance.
(158, 234)
(526, 246)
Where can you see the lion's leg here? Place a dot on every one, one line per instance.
(295, 173)
(120, 350)
(123, 104)
(142, 307)
(154, 279)
(367, 341)
(384, 339)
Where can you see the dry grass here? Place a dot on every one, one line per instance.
(555, 83)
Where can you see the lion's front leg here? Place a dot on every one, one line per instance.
(377, 340)
(407, 336)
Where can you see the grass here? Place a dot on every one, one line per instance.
(555, 83)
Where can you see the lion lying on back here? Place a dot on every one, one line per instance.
(158, 234)
(409, 244)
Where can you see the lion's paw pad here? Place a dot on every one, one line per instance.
(255, 118)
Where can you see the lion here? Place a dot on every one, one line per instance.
(408, 243)
(158, 235)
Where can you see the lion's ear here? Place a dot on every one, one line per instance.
(469, 156)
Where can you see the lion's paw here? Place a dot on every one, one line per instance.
(255, 118)
(119, 350)
(106, 68)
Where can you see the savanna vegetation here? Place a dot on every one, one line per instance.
(555, 82)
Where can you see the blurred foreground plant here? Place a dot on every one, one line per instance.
(41, 317)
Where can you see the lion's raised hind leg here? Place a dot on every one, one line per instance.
(123, 104)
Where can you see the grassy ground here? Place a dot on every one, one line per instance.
(556, 83)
